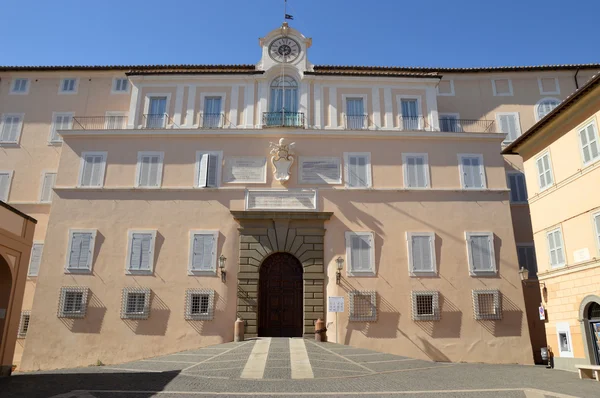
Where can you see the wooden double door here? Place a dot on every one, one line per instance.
(280, 297)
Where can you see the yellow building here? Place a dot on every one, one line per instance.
(561, 155)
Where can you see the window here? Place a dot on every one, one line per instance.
(135, 303)
(24, 324)
(357, 169)
(20, 86)
(60, 121)
(48, 181)
(410, 114)
(544, 107)
(320, 170)
(115, 120)
(472, 173)
(450, 122)
(518, 190)
(596, 218)
(36, 259)
(416, 170)
(480, 249)
(68, 86)
(445, 88)
(356, 119)
(588, 137)
(149, 169)
(212, 116)
(140, 257)
(548, 85)
(526, 256)
(5, 180)
(199, 304)
(556, 248)
(565, 345)
(203, 252)
(120, 85)
(421, 253)
(73, 302)
(509, 124)
(502, 87)
(208, 169)
(487, 305)
(80, 253)
(360, 253)
(545, 178)
(10, 131)
(363, 305)
(425, 306)
(156, 117)
(93, 165)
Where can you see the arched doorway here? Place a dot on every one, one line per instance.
(280, 297)
(593, 323)
(5, 287)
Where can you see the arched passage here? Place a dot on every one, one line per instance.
(593, 324)
(5, 288)
(280, 296)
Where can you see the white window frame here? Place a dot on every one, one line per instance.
(584, 126)
(461, 172)
(369, 171)
(213, 271)
(510, 88)
(44, 173)
(35, 243)
(472, 271)
(508, 174)
(411, 270)
(21, 117)
(104, 155)
(75, 87)
(364, 98)
(405, 169)
(303, 159)
(197, 168)
(62, 299)
(597, 230)
(113, 89)
(450, 94)
(537, 172)
(10, 178)
(188, 304)
(541, 86)
(564, 327)
(13, 84)
(147, 303)
(147, 98)
(59, 139)
(128, 269)
(109, 114)
(90, 267)
(138, 169)
(562, 246)
(519, 132)
(536, 108)
(23, 333)
(421, 120)
(209, 94)
(349, 270)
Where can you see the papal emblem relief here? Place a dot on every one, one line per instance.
(282, 158)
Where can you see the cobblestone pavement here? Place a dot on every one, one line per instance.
(300, 368)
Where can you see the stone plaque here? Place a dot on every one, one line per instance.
(245, 170)
(320, 170)
(281, 200)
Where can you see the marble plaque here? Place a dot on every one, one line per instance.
(320, 170)
(245, 170)
(281, 200)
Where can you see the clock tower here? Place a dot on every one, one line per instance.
(285, 48)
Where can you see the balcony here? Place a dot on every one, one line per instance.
(99, 122)
(451, 125)
(212, 120)
(357, 122)
(418, 123)
(283, 119)
(157, 121)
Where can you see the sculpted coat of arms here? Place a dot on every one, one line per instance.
(282, 158)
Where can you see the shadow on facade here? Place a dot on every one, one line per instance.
(450, 322)
(157, 322)
(210, 328)
(511, 323)
(94, 317)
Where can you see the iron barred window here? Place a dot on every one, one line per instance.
(487, 304)
(425, 306)
(73, 302)
(24, 324)
(199, 304)
(135, 303)
(363, 305)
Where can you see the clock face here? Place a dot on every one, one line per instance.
(284, 49)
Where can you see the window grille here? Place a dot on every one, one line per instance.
(363, 305)
(486, 304)
(425, 306)
(24, 324)
(135, 303)
(199, 304)
(73, 302)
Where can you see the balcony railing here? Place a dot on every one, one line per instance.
(357, 122)
(212, 120)
(413, 123)
(157, 121)
(283, 119)
(99, 122)
(451, 125)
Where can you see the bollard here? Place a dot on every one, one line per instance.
(238, 330)
(320, 330)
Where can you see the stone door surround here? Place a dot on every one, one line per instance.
(298, 233)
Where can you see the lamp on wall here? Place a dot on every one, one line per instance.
(222, 260)
(524, 274)
(340, 264)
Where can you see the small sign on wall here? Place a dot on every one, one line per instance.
(2, 313)
(581, 255)
(542, 313)
(336, 304)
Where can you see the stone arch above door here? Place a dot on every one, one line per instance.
(262, 233)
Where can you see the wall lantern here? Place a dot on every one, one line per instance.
(222, 260)
(340, 264)
(524, 274)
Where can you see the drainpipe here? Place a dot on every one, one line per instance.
(575, 78)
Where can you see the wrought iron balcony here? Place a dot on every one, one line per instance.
(283, 119)
(212, 120)
(99, 122)
(452, 125)
(413, 123)
(157, 121)
(357, 122)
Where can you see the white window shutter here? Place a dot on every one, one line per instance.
(412, 171)
(146, 251)
(361, 252)
(149, 171)
(136, 252)
(357, 171)
(597, 220)
(203, 252)
(10, 129)
(203, 170)
(477, 172)
(481, 254)
(47, 185)
(96, 171)
(36, 259)
(421, 253)
(4, 186)
(467, 172)
(141, 251)
(80, 255)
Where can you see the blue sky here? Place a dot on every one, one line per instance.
(458, 33)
